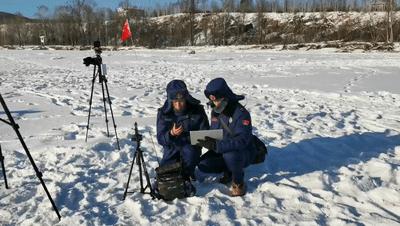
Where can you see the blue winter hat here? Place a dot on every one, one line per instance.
(176, 89)
(219, 88)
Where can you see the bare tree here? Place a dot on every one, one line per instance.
(125, 4)
(64, 25)
(228, 6)
(192, 19)
(389, 10)
(43, 15)
(189, 6)
(246, 6)
(261, 20)
(203, 5)
(215, 6)
(19, 29)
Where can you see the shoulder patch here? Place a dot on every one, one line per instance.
(246, 122)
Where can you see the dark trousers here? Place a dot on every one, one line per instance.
(233, 162)
(190, 157)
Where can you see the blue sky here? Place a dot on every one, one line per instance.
(29, 7)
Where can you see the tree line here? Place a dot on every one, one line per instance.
(278, 6)
(196, 22)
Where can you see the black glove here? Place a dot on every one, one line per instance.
(208, 143)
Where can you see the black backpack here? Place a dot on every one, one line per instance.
(261, 150)
(171, 183)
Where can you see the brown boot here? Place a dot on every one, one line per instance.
(238, 189)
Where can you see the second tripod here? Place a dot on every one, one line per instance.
(100, 71)
(142, 168)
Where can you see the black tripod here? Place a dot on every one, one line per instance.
(142, 167)
(15, 126)
(97, 71)
(4, 169)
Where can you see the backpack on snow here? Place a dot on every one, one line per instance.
(171, 183)
(261, 150)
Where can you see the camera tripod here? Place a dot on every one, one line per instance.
(39, 175)
(142, 167)
(4, 169)
(98, 72)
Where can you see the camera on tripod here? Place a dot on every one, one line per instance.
(137, 137)
(94, 60)
(100, 71)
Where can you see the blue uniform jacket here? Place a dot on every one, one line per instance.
(194, 118)
(238, 120)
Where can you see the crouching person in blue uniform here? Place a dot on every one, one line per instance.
(180, 114)
(236, 150)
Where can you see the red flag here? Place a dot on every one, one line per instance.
(126, 31)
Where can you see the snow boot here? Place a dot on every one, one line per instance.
(238, 189)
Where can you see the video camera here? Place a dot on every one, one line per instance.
(94, 60)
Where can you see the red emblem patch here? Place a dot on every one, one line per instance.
(214, 119)
(246, 122)
(212, 97)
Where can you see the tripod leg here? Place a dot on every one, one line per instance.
(4, 169)
(90, 101)
(112, 114)
(38, 173)
(105, 107)
(139, 163)
(146, 174)
(129, 177)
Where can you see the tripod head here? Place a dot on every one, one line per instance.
(97, 60)
(97, 48)
(137, 137)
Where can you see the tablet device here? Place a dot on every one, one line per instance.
(201, 134)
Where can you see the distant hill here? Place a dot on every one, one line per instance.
(7, 17)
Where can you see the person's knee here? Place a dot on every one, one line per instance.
(208, 166)
(169, 156)
(234, 161)
(191, 156)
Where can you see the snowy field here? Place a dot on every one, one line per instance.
(331, 121)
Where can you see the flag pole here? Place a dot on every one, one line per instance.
(131, 34)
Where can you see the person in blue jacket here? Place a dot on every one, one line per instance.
(180, 114)
(236, 150)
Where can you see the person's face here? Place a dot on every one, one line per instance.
(217, 102)
(179, 105)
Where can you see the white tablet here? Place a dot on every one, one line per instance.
(201, 134)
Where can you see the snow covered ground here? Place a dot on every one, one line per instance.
(331, 121)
